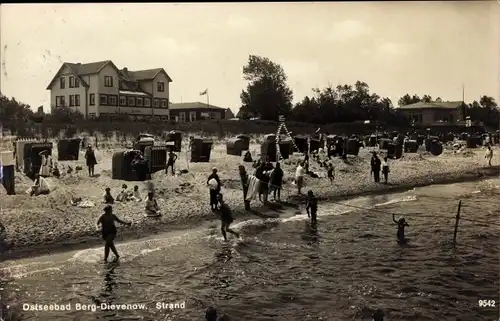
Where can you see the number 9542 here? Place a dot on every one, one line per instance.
(486, 303)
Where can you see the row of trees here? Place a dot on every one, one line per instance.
(267, 95)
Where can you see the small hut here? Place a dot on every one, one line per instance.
(235, 146)
(410, 146)
(200, 150)
(301, 143)
(7, 161)
(394, 150)
(156, 157)
(32, 157)
(68, 149)
(176, 137)
(352, 147)
(384, 142)
(431, 141)
(246, 141)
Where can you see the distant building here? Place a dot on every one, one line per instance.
(229, 114)
(432, 113)
(189, 112)
(100, 88)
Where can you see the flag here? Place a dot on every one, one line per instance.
(204, 92)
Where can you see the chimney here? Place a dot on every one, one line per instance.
(125, 69)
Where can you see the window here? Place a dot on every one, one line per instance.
(157, 103)
(160, 86)
(77, 100)
(108, 81)
(112, 100)
(192, 116)
(182, 117)
(58, 101)
(63, 101)
(139, 102)
(164, 103)
(71, 83)
(123, 101)
(62, 82)
(131, 101)
(212, 115)
(147, 102)
(72, 100)
(77, 83)
(92, 115)
(92, 99)
(103, 99)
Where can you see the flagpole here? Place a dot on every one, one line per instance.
(208, 100)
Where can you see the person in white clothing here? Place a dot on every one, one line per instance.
(152, 208)
(299, 177)
(385, 169)
(489, 154)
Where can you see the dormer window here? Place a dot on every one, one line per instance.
(108, 81)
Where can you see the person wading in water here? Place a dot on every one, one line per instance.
(401, 228)
(171, 161)
(312, 206)
(214, 188)
(226, 217)
(91, 160)
(108, 230)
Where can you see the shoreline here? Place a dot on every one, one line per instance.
(154, 227)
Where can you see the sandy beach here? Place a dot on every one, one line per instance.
(51, 222)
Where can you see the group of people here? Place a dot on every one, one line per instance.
(377, 166)
(152, 209)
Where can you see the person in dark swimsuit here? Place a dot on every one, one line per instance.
(226, 217)
(108, 230)
(171, 161)
(90, 159)
(312, 206)
(401, 228)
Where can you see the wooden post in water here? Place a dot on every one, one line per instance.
(244, 183)
(457, 219)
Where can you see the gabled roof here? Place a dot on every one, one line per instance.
(193, 105)
(79, 70)
(433, 105)
(148, 74)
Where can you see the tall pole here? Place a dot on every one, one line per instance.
(463, 101)
(208, 100)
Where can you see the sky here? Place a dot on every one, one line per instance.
(396, 47)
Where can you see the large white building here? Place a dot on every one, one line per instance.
(100, 88)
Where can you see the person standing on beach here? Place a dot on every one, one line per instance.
(90, 159)
(311, 206)
(226, 217)
(299, 177)
(214, 184)
(171, 161)
(375, 167)
(276, 181)
(401, 228)
(331, 173)
(108, 230)
(489, 154)
(385, 169)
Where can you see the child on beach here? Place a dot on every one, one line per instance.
(108, 230)
(152, 208)
(311, 206)
(331, 173)
(136, 195)
(401, 228)
(108, 199)
(226, 217)
(489, 154)
(123, 195)
(385, 169)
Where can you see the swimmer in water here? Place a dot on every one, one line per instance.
(108, 230)
(311, 206)
(226, 217)
(401, 228)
